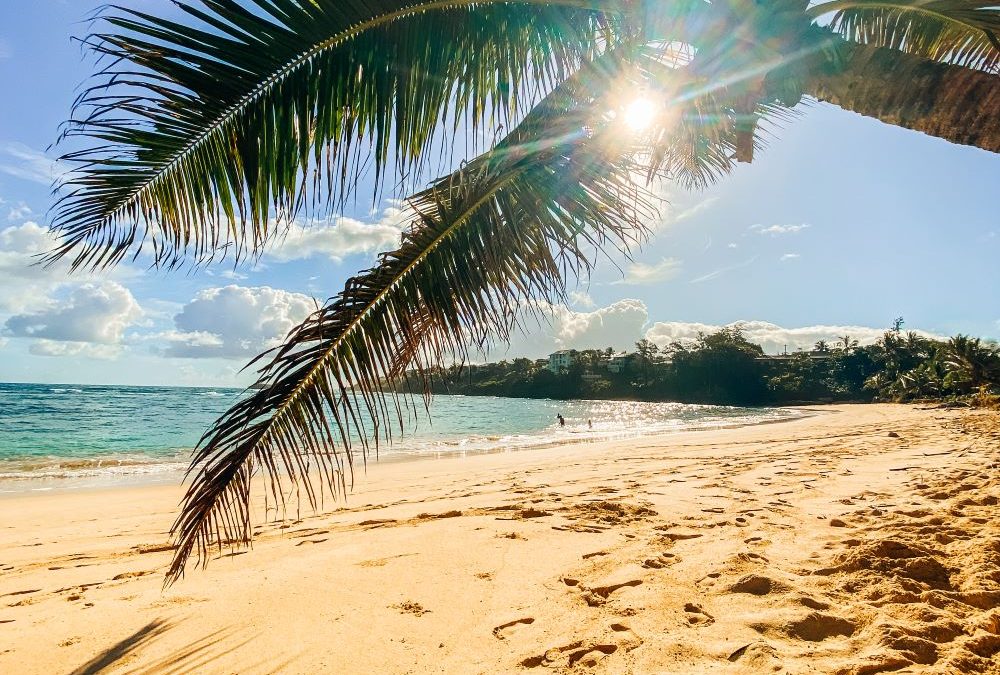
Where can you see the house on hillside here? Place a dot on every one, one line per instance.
(560, 361)
(619, 362)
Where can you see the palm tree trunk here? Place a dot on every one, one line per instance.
(957, 104)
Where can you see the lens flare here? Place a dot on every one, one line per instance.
(639, 114)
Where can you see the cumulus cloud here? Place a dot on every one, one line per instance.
(772, 337)
(776, 230)
(619, 325)
(95, 313)
(234, 322)
(616, 325)
(581, 299)
(639, 274)
(340, 237)
(25, 286)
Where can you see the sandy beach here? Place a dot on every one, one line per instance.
(860, 540)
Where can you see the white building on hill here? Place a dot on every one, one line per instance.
(561, 360)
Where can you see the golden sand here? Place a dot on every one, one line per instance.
(864, 539)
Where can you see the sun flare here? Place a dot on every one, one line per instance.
(639, 114)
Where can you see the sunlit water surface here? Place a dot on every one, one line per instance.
(55, 436)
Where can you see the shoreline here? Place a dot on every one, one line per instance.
(28, 484)
(860, 541)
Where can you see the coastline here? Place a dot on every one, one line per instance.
(819, 544)
(160, 472)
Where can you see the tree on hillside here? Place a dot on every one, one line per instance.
(847, 343)
(970, 364)
(203, 139)
(646, 357)
(722, 367)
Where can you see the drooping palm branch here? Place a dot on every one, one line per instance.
(207, 136)
(496, 237)
(207, 139)
(963, 32)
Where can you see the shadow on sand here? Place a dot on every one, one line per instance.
(120, 650)
(191, 658)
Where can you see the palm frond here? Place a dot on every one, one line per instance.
(707, 125)
(200, 138)
(486, 242)
(961, 32)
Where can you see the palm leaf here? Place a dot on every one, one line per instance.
(962, 32)
(486, 242)
(200, 139)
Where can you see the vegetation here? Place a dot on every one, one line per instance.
(724, 368)
(203, 136)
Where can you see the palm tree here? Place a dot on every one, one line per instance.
(970, 364)
(846, 343)
(203, 137)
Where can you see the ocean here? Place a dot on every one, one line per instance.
(54, 436)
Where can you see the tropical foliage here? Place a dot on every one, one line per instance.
(725, 368)
(206, 132)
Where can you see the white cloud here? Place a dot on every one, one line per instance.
(197, 338)
(714, 274)
(682, 209)
(19, 212)
(789, 256)
(581, 299)
(20, 161)
(95, 313)
(5, 50)
(88, 349)
(732, 244)
(230, 274)
(340, 237)
(775, 230)
(772, 337)
(235, 322)
(617, 325)
(638, 274)
(26, 286)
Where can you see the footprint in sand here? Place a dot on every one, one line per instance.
(502, 631)
(755, 584)
(577, 653)
(661, 561)
(696, 616)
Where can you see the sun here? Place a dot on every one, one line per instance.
(639, 114)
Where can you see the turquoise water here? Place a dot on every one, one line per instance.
(81, 432)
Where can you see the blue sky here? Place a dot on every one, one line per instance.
(842, 224)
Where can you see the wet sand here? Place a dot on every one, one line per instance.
(861, 540)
